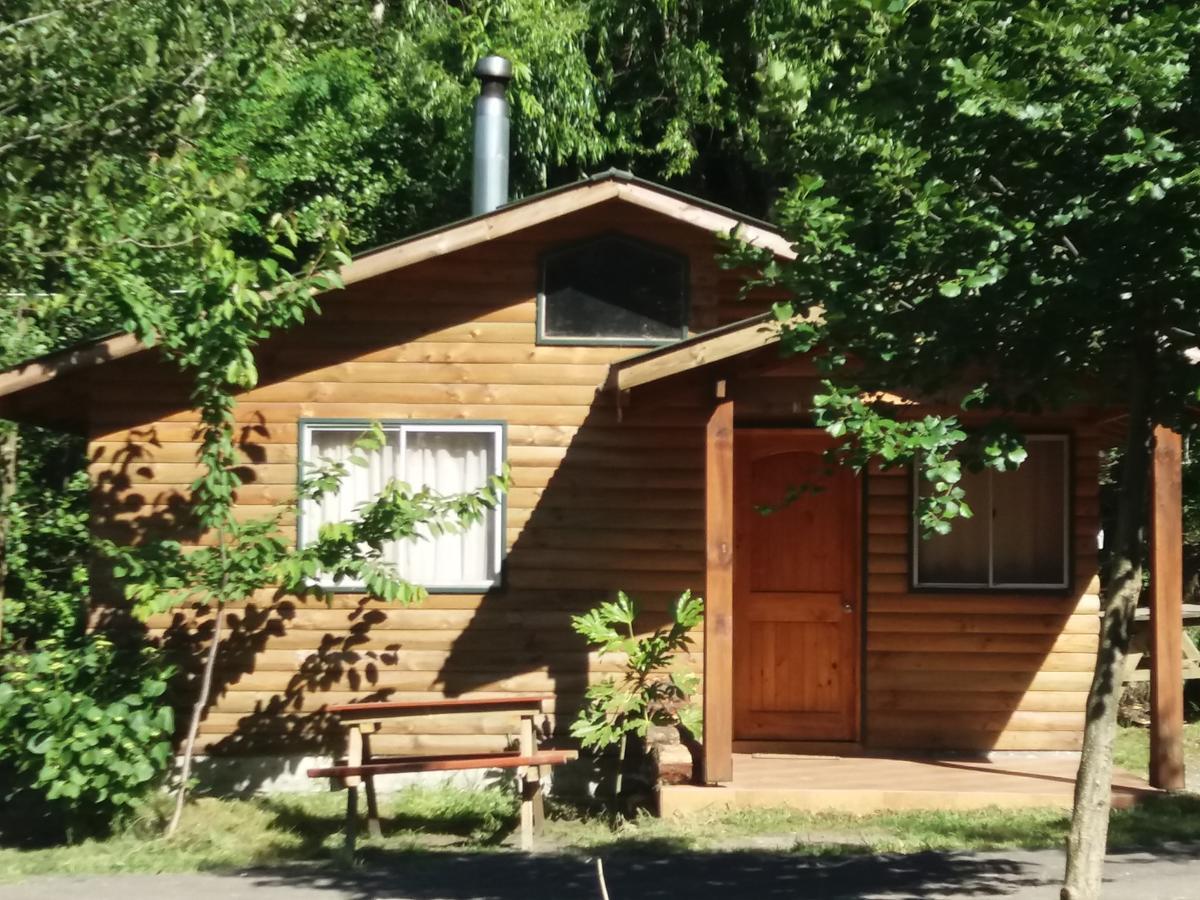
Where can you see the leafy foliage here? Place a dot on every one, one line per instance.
(649, 692)
(993, 198)
(997, 210)
(259, 553)
(46, 542)
(84, 734)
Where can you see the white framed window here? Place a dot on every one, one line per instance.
(446, 457)
(1019, 536)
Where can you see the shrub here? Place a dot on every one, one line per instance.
(648, 692)
(83, 736)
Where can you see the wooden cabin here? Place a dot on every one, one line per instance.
(588, 338)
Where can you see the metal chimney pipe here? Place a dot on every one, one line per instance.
(489, 174)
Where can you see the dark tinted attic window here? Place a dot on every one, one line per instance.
(613, 289)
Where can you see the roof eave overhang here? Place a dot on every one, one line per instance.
(445, 240)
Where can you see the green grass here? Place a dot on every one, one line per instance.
(1132, 748)
(234, 834)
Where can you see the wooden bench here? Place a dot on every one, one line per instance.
(1136, 662)
(362, 719)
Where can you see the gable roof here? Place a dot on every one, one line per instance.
(509, 219)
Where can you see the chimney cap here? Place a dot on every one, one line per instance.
(494, 67)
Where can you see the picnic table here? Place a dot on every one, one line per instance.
(1139, 646)
(362, 720)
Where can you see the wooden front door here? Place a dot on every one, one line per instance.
(796, 590)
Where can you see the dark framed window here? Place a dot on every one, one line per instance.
(1019, 536)
(612, 290)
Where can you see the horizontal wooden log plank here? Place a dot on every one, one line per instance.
(177, 477)
(887, 563)
(985, 643)
(967, 663)
(573, 680)
(411, 619)
(986, 603)
(424, 372)
(556, 599)
(440, 353)
(476, 661)
(595, 434)
(982, 624)
(953, 722)
(584, 395)
(888, 543)
(1009, 682)
(975, 701)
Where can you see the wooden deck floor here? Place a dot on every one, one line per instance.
(872, 784)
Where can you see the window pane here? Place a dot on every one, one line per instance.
(960, 557)
(1030, 512)
(361, 484)
(613, 288)
(450, 462)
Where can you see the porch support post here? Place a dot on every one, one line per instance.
(718, 595)
(1166, 612)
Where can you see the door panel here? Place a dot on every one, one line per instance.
(796, 590)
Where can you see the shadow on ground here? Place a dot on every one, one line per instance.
(646, 875)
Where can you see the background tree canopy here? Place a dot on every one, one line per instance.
(988, 197)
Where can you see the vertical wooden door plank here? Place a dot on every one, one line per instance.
(1166, 613)
(718, 595)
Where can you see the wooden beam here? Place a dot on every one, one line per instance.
(39, 371)
(718, 612)
(1166, 613)
(701, 350)
(707, 219)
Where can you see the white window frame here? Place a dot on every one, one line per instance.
(402, 427)
(991, 584)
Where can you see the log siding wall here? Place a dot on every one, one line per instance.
(597, 505)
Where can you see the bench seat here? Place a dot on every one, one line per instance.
(532, 813)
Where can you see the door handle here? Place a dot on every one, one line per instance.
(847, 606)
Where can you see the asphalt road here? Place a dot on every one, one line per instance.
(1169, 874)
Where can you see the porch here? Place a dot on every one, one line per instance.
(820, 627)
(869, 784)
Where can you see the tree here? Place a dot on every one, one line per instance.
(998, 203)
(114, 209)
(248, 556)
(100, 108)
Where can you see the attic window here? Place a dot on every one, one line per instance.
(612, 290)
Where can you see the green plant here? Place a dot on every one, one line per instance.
(83, 733)
(965, 176)
(649, 692)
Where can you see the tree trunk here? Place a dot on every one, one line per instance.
(189, 747)
(9, 447)
(1088, 838)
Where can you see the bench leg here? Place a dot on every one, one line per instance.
(530, 795)
(530, 784)
(351, 819)
(539, 801)
(373, 827)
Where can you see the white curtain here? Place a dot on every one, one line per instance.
(448, 462)
(361, 484)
